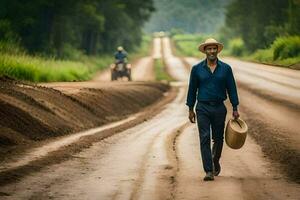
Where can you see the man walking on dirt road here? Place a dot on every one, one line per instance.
(210, 81)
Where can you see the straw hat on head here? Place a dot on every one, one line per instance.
(210, 41)
(120, 48)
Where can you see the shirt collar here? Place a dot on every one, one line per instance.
(204, 63)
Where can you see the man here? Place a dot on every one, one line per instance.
(121, 55)
(210, 81)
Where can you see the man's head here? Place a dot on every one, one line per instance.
(211, 48)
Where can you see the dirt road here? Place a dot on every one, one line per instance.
(160, 158)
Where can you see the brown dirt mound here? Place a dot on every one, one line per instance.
(32, 113)
(273, 144)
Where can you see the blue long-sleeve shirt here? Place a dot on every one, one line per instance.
(207, 86)
(121, 56)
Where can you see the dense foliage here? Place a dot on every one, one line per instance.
(286, 47)
(62, 28)
(259, 23)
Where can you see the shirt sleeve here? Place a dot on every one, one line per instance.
(232, 90)
(192, 90)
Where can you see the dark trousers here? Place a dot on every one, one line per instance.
(211, 119)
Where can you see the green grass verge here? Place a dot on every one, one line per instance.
(266, 56)
(160, 71)
(285, 51)
(38, 69)
(21, 66)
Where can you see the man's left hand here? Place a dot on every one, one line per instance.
(235, 114)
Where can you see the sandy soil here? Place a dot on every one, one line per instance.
(158, 158)
(42, 113)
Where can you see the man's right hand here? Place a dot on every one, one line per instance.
(235, 114)
(192, 116)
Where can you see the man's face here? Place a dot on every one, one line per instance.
(211, 52)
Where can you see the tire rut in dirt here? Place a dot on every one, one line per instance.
(159, 170)
(172, 149)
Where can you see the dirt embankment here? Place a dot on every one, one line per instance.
(31, 113)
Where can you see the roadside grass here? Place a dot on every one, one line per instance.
(266, 56)
(277, 54)
(285, 51)
(15, 63)
(38, 69)
(160, 71)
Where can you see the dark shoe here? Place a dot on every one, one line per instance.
(217, 168)
(209, 176)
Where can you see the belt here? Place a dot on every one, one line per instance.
(212, 103)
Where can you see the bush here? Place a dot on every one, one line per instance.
(262, 55)
(11, 47)
(237, 47)
(266, 56)
(71, 53)
(286, 47)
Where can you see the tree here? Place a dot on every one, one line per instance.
(193, 16)
(91, 26)
(260, 22)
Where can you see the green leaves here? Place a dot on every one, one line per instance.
(90, 26)
(286, 47)
(259, 23)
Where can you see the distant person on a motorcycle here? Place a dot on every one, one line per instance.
(121, 56)
(121, 68)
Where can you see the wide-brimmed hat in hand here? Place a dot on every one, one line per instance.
(236, 133)
(210, 41)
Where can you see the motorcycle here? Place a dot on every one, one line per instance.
(119, 70)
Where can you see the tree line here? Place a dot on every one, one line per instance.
(259, 23)
(54, 27)
(191, 16)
